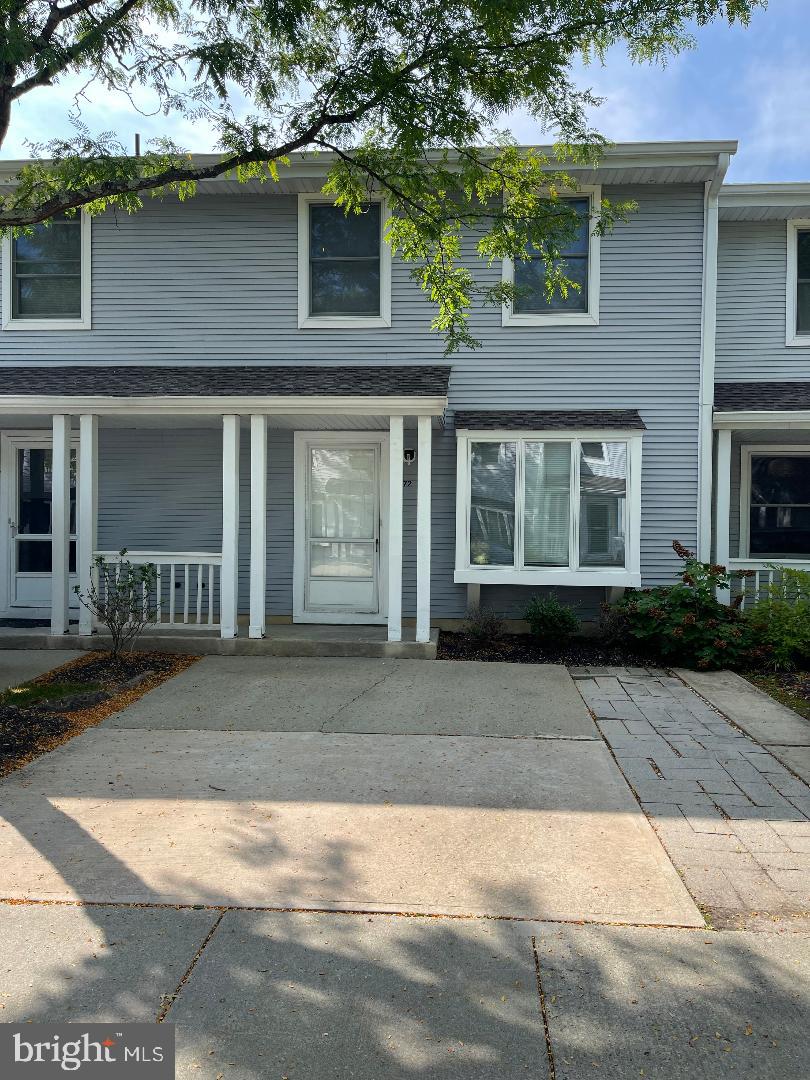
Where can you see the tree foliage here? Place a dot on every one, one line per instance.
(405, 96)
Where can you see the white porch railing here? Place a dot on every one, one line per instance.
(764, 575)
(187, 584)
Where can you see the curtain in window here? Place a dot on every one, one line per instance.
(547, 509)
(492, 503)
(602, 502)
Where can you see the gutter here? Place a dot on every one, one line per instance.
(708, 339)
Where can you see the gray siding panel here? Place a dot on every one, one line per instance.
(215, 280)
(751, 296)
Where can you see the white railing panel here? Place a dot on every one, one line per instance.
(761, 578)
(186, 587)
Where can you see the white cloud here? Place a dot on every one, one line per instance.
(777, 139)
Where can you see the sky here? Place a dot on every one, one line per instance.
(748, 84)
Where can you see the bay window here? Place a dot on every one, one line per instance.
(548, 508)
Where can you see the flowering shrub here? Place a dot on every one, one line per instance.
(686, 624)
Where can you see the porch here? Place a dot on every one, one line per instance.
(280, 639)
(762, 483)
(291, 484)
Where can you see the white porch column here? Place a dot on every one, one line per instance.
(395, 451)
(87, 526)
(60, 524)
(258, 524)
(723, 506)
(229, 587)
(423, 508)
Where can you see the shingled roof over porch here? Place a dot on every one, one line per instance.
(232, 381)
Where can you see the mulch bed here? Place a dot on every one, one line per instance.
(28, 731)
(523, 649)
(791, 688)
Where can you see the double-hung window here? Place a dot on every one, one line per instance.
(579, 262)
(542, 508)
(343, 266)
(776, 503)
(46, 276)
(798, 283)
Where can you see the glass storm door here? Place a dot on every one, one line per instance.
(343, 529)
(30, 526)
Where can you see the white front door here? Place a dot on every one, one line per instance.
(27, 474)
(339, 553)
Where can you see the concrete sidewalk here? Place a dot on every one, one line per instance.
(458, 825)
(264, 995)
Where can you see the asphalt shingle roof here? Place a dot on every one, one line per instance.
(134, 381)
(548, 420)
(767, 396)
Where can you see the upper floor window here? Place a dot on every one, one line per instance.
(344, 266)
(46, 276)
(545, 509)
(798, 283)
(579, 261)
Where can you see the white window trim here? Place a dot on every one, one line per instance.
(565, 318)
(340, 322)
(792, 337)
(84, 322)
(627, 576)
(747, 452)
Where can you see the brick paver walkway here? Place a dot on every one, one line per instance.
(733, 819)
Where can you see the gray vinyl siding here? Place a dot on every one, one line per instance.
(751, 298)
(215, 280)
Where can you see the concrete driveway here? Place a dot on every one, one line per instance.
(244, 782)
(385, 805)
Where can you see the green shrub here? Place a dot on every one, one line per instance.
(686, 624)
(781, 619)
(483, 625)
(550, 621)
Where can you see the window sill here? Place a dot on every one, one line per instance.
(506, 576)
(47, 324)
(347, 322)
(801, 341)
(578, 318)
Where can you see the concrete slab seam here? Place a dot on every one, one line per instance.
(169, 999)
(552, 1068)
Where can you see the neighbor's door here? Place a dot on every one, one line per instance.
(28, 472)
(339, 559)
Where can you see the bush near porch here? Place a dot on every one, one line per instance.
(684, 624)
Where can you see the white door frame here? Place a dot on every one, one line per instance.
(10, 443)
(303, 440)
